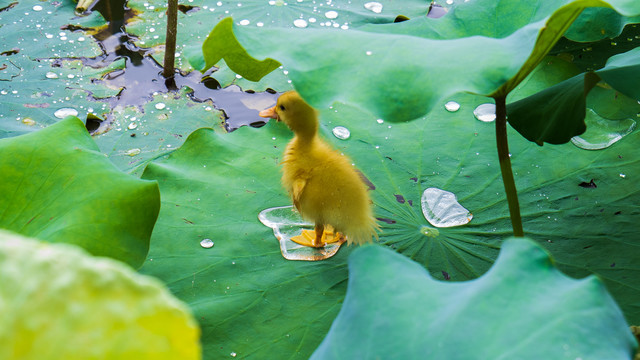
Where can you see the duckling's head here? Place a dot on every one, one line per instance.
(295, 112)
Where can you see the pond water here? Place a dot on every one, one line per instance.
(142, 76)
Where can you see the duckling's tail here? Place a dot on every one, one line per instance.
(363, 233)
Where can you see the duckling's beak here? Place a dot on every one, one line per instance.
(270, 113)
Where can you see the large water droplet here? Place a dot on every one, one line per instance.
(485, 112)
(601, 132)
(160, 106)
(452, 106)
(286, 223)
(331, 14)
(206, 243)
(132, 125)
(64, 112)
(341, 132)
(300, 23)
(51, 75)
(376, 7)
(245, 22)
(442, 209)
(37, 8)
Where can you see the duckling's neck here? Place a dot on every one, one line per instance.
(306, 128)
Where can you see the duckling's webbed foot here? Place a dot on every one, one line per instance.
(317, 242)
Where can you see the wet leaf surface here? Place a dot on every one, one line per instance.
(243, 282)
(419, 317)
(59, 188)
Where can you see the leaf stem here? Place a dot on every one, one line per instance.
(505, 165)
(170, 48)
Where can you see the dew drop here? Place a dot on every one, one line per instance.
(132, 126)
(452, 106)
(485, 112)
(331, 14)
(245, 22)
(341, 132)
(64, 112)
(160, 106)
(621, 175)
(374, 6)
(37, 8)
(233, 354)
(31, 122)
(300, 23)
(51, 75)
(379, 121)
(368, 53)
(206, 243)
(133, 152)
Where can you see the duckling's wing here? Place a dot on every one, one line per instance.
(296, 191)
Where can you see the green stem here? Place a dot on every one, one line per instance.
(505, 166)
(170, 47)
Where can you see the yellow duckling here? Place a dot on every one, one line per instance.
(324, 186)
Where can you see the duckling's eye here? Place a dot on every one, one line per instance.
(282, 107)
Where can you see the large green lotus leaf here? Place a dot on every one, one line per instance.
(138, 135)
(58, 302)
(414, 68)
(250, 301)
(58, 188)
(394, 310)
(556, 114)
(35, 81)
(149, 26)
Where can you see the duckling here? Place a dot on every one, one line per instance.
(325, 188)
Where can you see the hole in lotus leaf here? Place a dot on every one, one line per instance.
(601, 132)
(441, 208)
(286, 222)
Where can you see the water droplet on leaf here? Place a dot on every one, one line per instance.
(64, 112)
(160, 106)
(331, 14)
(206, 243)
(133, 152)
(485, 112)
(442, 209)
(601, 132)
(341, 132)
(376, 7)
(452, 106)
(300, 23)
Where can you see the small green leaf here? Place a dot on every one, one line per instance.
(523, 308)
(222, 44)
(58, 302)
(58, 187)
(553, 115)
(556, 114)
